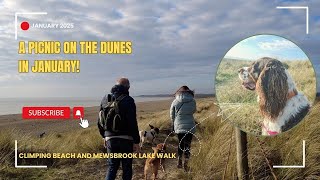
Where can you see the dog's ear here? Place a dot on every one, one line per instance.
(155, 149)
(157, 130)
(164, 147)
(272, 88)
(161, 146)
(151, 126)
(240, 70)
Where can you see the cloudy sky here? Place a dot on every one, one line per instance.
(175, 42)
(259, 46)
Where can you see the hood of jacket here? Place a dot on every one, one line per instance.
(184, 97)
(118, 90)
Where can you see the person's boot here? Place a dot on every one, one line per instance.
(185, 164)
(179, 164)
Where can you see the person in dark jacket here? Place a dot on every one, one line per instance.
(181, 112)
(126, 140)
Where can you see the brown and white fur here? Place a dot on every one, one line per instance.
(152, 164)
(281, 105)
(148, 136)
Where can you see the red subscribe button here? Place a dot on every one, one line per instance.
(46, 112)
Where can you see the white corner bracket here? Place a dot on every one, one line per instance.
(303, 158)
(16, 158)
(23, 13)
(299, 7)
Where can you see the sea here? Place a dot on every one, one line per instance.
(15, 105)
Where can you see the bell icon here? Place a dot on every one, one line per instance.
(78, 113)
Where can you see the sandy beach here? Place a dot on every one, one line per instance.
(36, 127)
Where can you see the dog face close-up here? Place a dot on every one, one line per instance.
(268, 77)
(161, 147)
(155, 129)
(250, 75)
(247, 81)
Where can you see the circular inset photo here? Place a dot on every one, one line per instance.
(265, 85)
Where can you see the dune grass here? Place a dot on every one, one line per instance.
(230, 92)
(285, 149)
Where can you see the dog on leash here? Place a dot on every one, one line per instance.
(281, 104)
(148, 136)
(152, 164)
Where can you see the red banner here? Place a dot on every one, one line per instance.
(46, 112)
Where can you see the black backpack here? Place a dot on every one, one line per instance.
(109, 116)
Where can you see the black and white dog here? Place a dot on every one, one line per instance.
(148, 136)
(281, 104)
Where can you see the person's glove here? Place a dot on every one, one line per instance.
(136, 148)
(104, 143)
(172, 131)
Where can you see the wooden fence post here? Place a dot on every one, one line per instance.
(242, 155)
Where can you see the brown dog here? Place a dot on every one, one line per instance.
(152, 164)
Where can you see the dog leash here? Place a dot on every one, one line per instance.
(163, 170)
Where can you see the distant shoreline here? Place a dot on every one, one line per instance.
(14, 106)
(92, 98)
(171, 95)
